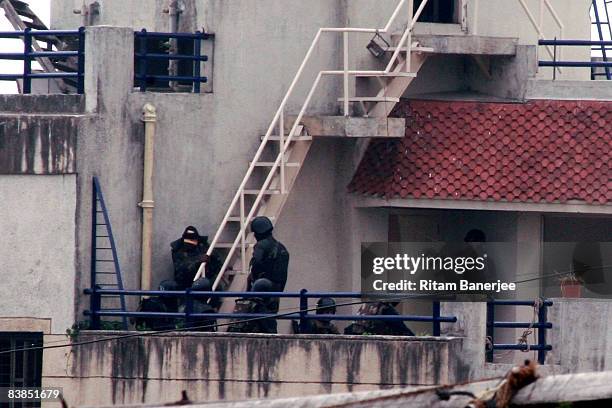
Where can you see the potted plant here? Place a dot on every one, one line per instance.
(571, 286)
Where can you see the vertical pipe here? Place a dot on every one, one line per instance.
(542, 319)
(81, 62)
(303, 310)
(188, 308)
(409, 39)
(143, 60)
(197, 52)
(346, 75)
(281, 138)
(149, 117)
(173, 13)
(436, 318)
(243, 228)
(555, 60)
(27, 61)
(490, 329)
(94, 233)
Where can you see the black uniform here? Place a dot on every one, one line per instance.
(270, 261)
(387, 328)
(187, 260)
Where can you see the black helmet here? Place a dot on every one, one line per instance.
(261, 225)
(262, 285)
(202, 284)
(326, 305)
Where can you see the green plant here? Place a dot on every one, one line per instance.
(73, 332)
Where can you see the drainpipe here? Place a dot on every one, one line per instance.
(174, 10)
(149, 117)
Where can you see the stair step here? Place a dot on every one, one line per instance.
(235, 218)
(389, 74)
(34, 25)
(414, 49)
(227, 245)
(266, 192)
(293, 139)
(370, 99)
(25, 12)
(270, 164)
(65, 66)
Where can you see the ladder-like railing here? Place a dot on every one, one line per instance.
(278, 122)
(600, 9)
(105, 267)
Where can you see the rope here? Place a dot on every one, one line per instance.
(523, 339)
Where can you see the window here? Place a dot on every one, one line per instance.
(438, 11)
(21, 368)
(161, 66)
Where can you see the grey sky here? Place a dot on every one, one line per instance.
(42, 9)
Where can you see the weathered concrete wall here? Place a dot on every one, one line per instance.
(37, 255)
(581, 334)
(233, 367)
(38, 144)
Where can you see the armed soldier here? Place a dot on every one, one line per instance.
(270, 260)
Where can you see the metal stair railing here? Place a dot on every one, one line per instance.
(278, 120)
(597, 6)
(98, 207)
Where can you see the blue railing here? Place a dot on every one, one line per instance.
(104, 255)
(29, 54)
(302, 314)
(144, 57)
(593, 45)
(542, 325)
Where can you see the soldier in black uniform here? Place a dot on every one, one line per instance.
(325, 306)
(188, 253)
(270, 259)
(387, 328)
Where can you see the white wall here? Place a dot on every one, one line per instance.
(37, 230)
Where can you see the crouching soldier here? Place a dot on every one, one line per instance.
(263, 305)
(380, 327)
(188, 253)
(200, 305)
(325, 306)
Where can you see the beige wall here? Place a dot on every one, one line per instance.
(37, 255)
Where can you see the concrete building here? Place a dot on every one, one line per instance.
(481, 137)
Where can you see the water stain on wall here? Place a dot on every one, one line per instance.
(38, 144)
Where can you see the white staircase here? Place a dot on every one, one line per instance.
(285, 145)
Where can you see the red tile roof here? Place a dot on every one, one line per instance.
(539, 151)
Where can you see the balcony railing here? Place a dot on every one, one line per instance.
(593, 45)
(539, 323)
(302, 314)
(63, 65)
(148, 75)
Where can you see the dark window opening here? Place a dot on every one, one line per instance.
(155, 66)
(21, 368)
(438, 11)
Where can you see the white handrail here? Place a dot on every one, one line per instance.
(280, 112)
(539, 25)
